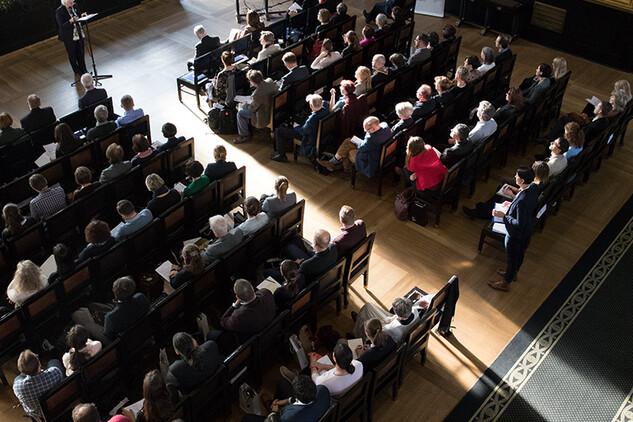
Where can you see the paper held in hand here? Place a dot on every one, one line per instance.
(164, 269)
(179, 187)
(498, 226)
(294, 7)
(503, 208)
(47, 156)
(594, 101)
(353, 344)
(356, 140)
(503, 192)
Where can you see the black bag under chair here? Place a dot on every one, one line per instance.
(418, 212)
(223, 119)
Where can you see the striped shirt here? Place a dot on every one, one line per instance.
(28, 389)
(48, 202)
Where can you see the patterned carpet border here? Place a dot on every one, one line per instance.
(491, 395)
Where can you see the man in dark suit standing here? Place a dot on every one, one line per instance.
(70, 32)
(38, 117)
(518, 224)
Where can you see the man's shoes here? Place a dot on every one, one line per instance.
(367, 20)
(240, 139)
(326, 163)
(281, 158)
(471, 213)
(499, 285)
(354, 316)
(502, 273)
(288, 374)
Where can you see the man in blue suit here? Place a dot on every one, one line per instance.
(365, 155)
(306, 132)
(295, 72)
(518, 224)
(301, 401)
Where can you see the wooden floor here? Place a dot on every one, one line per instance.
(146, 49)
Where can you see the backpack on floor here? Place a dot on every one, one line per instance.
(213, 118)
(228, 121)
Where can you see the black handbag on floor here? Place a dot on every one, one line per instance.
(418, 212)
(228, 121)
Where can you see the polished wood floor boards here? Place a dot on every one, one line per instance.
(146, 49)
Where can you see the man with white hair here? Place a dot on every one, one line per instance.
(365, 155)
(38, 116)
(406, 313)
(104, 126)
(383, 26)
(70, 32)
(306, 132)
(205, 45)
(381, 72)
(92, 94)
(225, 240)
(486, 126)
(426, 103)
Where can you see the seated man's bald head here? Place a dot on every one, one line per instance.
(321, 239)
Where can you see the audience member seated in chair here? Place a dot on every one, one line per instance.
(295, 73)
(206, 43)
(352, 43)
(199, 181)
(299, 400)
(398, 62)
(592, 129)
(257, 112)
(130, 114)
(459, 146)
(267, 40)
(221, 167)
(486, 126)
(64, 263)
(313, 264)
(14, 222)
(557, 161)
(406, 314)
(129, 308)
(341, 376)
(536, 88)
(353, 231)
(82, 349)
(253, 22)
(382, 7)
(306, 132)
(404, 111)
(423, 169)
(340, 15)
(225, 240)
(323, 16)
(347, 88)
(425, 104)
(222, 89)
(92, 94)
(132, 221)
(48, 200)
(163, 198)
(66, 140)
(192, 266)
(503, 45)
(448, 33)
(9, 134)
(488, 57)
(98, 239)
(37, 117)
(363, 80)
(83, 177)
(459, 82)
(383, 26)
(103, 126)
(443, 87)
(472, 63)
(514, 105)
(27, 281)
(422, 50)
(143, 149)
(117, 166)
(327, 55)
(381, 71)
(34, 381)
(88, 412)
(276, 204)
(365, 155)
(169, 131)
(196, 364)
(368, 36)
(159, 400)
(289, 271)
(256, 218)
(248, 315)
(378, 345)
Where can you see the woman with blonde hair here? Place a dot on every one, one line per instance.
(363, 80)
(423, 167)
(327, 55)
(624, 86)
(27, 280)
(443, 87)
(559, 68)
(276, 204)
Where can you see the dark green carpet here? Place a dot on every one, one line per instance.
(572, 361)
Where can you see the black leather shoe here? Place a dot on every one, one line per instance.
(472, 214)
(279, 158)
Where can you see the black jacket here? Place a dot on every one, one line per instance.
(37, 118)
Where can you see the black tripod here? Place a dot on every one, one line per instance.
(95, 75)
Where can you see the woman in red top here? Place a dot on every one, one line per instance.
(423, 166)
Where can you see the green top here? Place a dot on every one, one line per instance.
(196, 186)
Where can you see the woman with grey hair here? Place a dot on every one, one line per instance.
(404, 111)
(163, 198)
(488, 57)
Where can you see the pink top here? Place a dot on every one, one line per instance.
(366, 41)
(428, 168)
